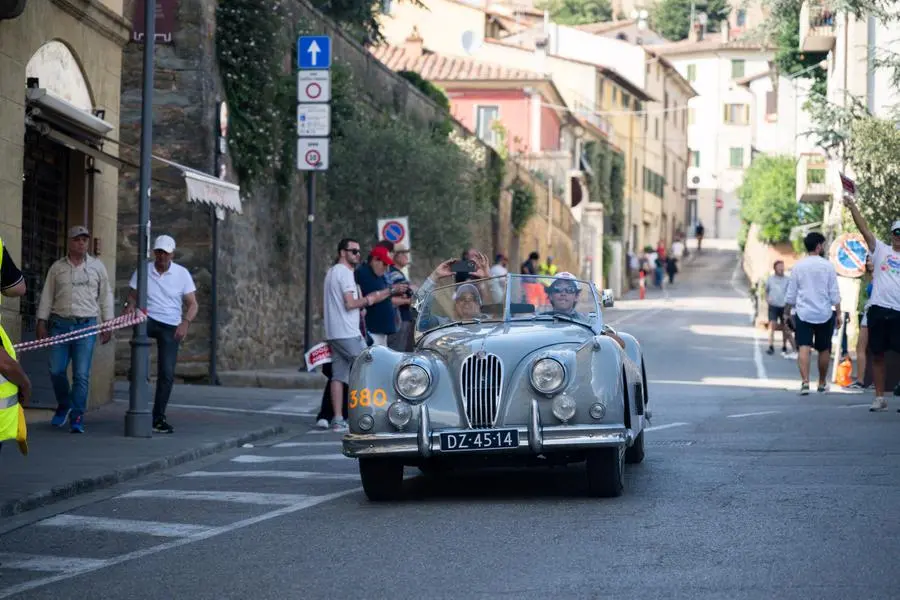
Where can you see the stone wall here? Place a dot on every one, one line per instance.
(261, 285)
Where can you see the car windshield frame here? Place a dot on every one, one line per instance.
(513, 282)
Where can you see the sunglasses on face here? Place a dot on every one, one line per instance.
(896, 232)
(563, 290)
(352, 250)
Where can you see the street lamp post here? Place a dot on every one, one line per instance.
(138, 421)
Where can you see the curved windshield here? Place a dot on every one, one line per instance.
(471, 302)
(510, 298)
(549, 298)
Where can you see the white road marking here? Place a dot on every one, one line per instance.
(124, 525)
(852, 406)
(281, 474)
(757, 351)
(239, 497)
(199, 536)
(303, 444)
(254, 459)
(754, 414)
(666, 426)
(47, 564)
(295, 407)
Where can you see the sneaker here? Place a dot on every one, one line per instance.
(770, 351)
(823, 387)
(59, 418)
(161, 426)
(857, 385)
(339, 425)
(804, 389)
(878, 404)
(322, 423)
(790, 355)
(77, 425)
(897, 390)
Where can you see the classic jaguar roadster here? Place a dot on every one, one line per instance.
(505, 371)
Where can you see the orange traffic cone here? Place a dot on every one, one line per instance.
(844, 372)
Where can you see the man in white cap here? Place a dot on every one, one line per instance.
(76, 293)
(169, 287)
(883, 315)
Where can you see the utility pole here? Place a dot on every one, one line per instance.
(138, 421)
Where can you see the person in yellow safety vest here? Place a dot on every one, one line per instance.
(15, 387)
(549, 269)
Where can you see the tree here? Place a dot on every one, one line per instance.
(577, 12)
(874, 152)
(672, 18)
(358, 18)
(768, 197)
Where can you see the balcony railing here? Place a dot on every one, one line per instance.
(813, 185)
(817, 27)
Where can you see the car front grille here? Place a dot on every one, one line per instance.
(481, 380)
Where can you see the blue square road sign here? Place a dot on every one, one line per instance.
(314, 52)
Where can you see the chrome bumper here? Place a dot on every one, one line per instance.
(534, 439)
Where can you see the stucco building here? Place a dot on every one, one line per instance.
(60, 71)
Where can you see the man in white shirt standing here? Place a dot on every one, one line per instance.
(342, 321)
(169, 287)
(813, 295)
(776, 291)
(883, 314)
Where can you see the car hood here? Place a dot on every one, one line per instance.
(510, 341)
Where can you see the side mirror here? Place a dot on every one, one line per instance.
(607, 299)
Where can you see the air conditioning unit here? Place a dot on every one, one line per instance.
(699, 178)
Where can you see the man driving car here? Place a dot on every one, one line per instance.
(563, 293)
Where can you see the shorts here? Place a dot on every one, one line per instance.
(817, 335)
(884, 329)
(343, 353)
(776, 314)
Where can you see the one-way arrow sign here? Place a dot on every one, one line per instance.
(314, 52)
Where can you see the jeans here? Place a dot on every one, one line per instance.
(80, 352)
(167, 356)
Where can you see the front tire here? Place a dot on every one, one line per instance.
(635, 454)
(382, 478)
(606, 472)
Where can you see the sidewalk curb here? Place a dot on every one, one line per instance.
(91, 484)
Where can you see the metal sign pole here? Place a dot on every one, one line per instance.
(138, 420)
(310, 217)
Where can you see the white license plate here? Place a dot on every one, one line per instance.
(491, 439)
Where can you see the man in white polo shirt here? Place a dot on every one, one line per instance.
(169, 287)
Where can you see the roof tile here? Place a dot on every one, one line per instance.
(436, 67)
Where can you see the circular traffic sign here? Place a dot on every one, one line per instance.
(393, 231)
(848, 254)
(313, 158)
(313, 90)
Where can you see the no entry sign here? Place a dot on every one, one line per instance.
(394, 230)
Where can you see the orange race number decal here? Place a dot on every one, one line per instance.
(366, 397)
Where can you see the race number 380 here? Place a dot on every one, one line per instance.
(367, 397)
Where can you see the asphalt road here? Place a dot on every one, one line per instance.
(747, 491)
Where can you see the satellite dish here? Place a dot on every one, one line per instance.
(470, 43)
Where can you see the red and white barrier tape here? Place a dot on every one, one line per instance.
(120, 322)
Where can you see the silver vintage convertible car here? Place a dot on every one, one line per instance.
(505, 371)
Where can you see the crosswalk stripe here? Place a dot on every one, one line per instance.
(255, 459)
(304, 444)
(155, 528)
(239, 497)
(47, 564)
(279, 474)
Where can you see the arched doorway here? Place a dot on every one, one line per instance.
(55, 189)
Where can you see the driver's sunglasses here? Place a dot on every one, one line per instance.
(563, 290)
(896, 232)
(352, 250)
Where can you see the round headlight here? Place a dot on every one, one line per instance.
(399, 414)
(412, 382)
(563, 408)
(547, 375)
